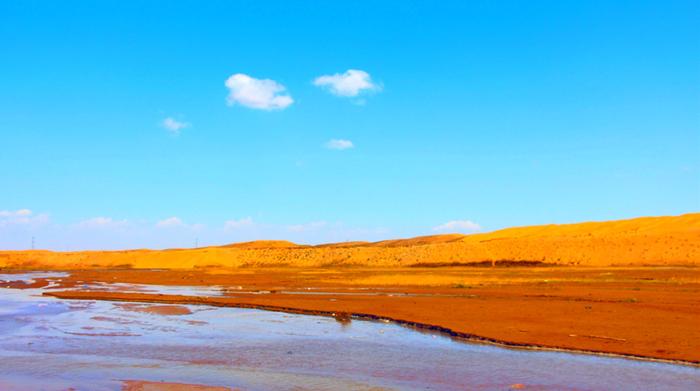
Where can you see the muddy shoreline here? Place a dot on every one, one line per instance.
(344, 317)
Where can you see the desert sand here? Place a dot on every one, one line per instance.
(138, 385)
(658, 241)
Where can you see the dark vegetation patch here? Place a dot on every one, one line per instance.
(499, 263)
(252, 265)
(343, 318)
(122, 266)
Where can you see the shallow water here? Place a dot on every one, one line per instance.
(51, 344)
(184, 290)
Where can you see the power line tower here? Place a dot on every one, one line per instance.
(196, 242)
(32, 242)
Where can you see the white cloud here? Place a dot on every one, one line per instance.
(174, 126)
(21, 217)
(17, 227)
(349, 84)
(176, 222)
(264, 94)
(170, 222)
(238, 224)
(314, 225)
(458, 226)
(16, 213)
(101, 222)
(339, 144)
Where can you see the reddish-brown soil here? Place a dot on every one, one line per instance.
(648, 312)
(156, 309)
(138, 385)
(40, 283)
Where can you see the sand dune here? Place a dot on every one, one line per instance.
(671, 240)
(262, 244)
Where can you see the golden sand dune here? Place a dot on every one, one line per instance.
(358, 243)
(262, 244)
(673, 240)
(419, 241)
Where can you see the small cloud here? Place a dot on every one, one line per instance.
(16, 213)
(101, 222)
(174, 126)
(314, 225)
(238, 224)
(23, 212)
(458, 226)
(263, 94)
(170, 222)
(339, 144)
(21, 217)
(176, 222)
(351, 83)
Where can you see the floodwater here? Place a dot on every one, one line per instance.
(52, 344)
(184, 290)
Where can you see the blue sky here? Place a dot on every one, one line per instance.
(119, 128)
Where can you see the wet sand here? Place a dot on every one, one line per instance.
(644, 312)
(156, 309)
(138, 385)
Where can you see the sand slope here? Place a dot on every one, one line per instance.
(672, 240)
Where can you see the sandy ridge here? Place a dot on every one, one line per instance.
(669, 240)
